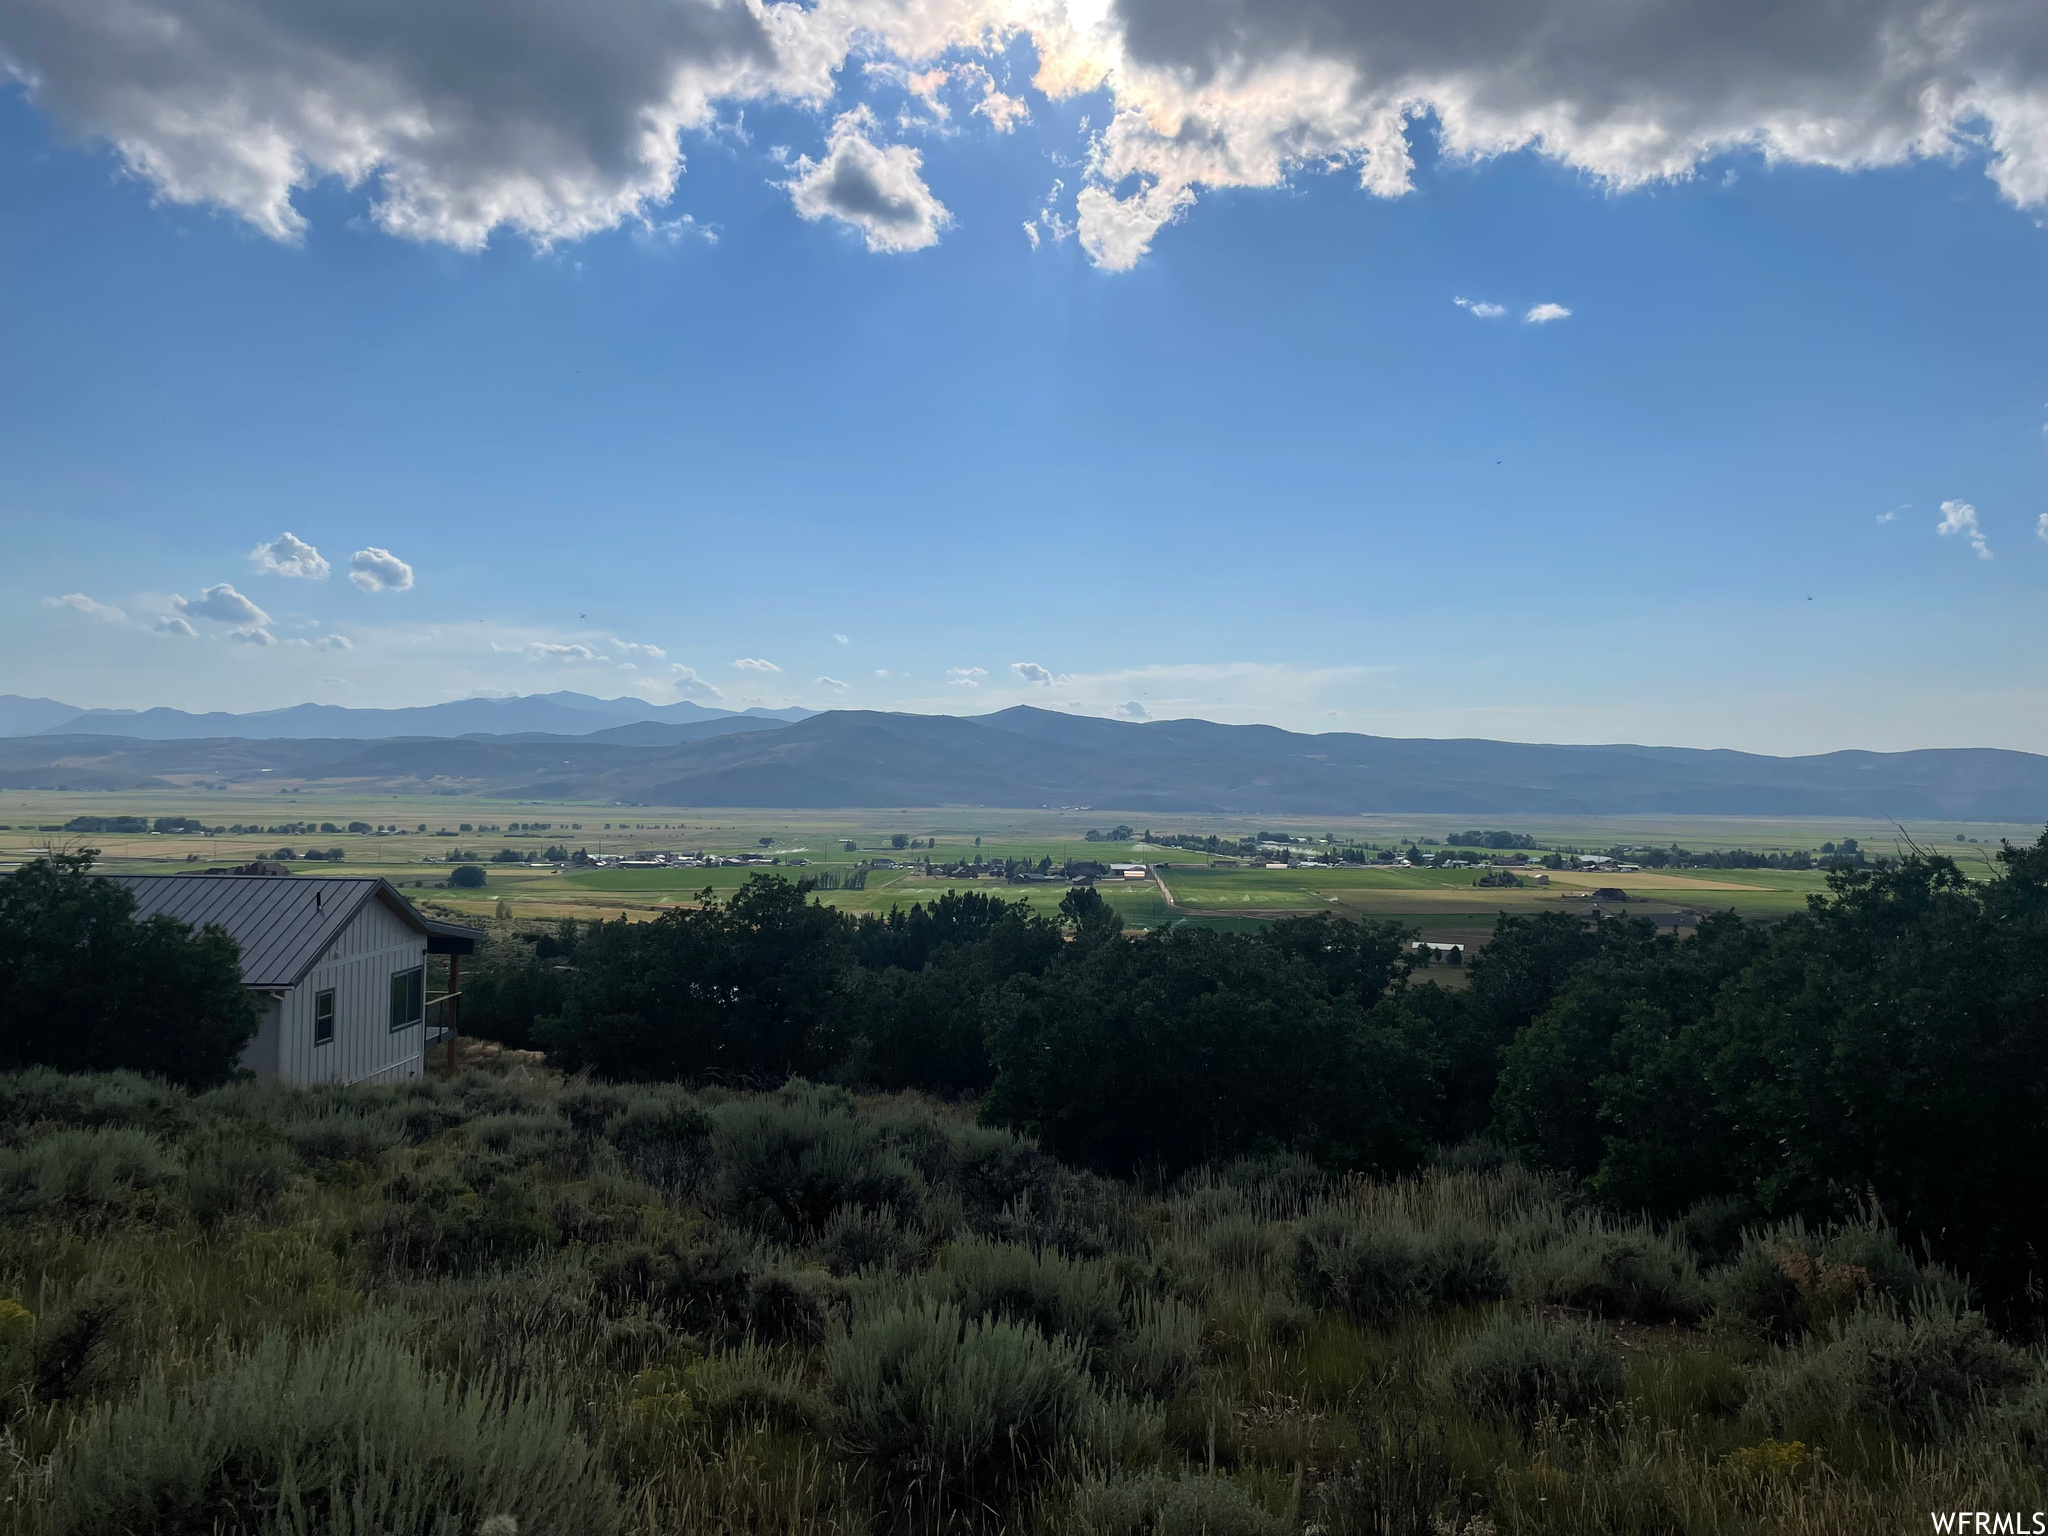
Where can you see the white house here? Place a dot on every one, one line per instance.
(340, 963)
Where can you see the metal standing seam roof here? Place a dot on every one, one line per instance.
(283, 923)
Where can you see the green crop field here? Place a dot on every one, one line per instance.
(1444, 904)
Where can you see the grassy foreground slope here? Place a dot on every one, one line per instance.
(517, 1303)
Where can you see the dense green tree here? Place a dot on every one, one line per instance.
(86, 987)
(1889, 1045)
(751, 990)
(1194, 1045)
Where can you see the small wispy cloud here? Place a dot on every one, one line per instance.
(1032, 672)
(1132, 710)
(256, 635)
(105, 612)
(548, 650)
(288, 555)
(1480, 308)
(1886, 517)
(841, 640)
(756, 664)
(965, 677)
(1054, 225)
(2041, 528)
(1959, 519)
(833, 683)
(1543, 314)
(628, 648)
(171, 624)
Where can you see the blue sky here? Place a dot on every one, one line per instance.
(824, 404)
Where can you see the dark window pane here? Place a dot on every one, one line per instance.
(323, 1018)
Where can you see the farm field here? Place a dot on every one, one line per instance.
(1445, 904)
(1429, 895)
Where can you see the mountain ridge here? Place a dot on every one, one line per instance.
(1027, 758)
(559, 713)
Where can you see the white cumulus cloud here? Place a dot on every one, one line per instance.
(841, 640)
(334, 643)
(553, 121)
(287, 555)
(1959, 519)
(833, 683)
(171, 624)
(379, 570)
(1132, 710)
(255, 635)
(1482, 309)
(2041, 528)
(1543, 314)
(223, 604)
(85, 605)
(877, 190)
(628, 648)
(690, 686)
(756, 664)
(465, 118)
(1032, 672)
(966, 677)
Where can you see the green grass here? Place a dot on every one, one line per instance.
(1443, 903)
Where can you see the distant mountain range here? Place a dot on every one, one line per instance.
(1026, 757)
(561, 714)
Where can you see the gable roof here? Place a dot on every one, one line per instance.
(283, 923)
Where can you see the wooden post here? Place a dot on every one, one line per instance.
(453, 1008)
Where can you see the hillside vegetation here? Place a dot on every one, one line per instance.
(546, 1306)
(970, 1218)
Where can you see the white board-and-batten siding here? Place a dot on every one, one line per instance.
(358, 967)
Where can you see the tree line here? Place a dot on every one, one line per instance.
(1885, 1050)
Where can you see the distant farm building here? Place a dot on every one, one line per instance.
(339, 963)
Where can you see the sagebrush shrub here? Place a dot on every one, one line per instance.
(434, 1224)
(664, 1137)
(1788, 1280)
(522, 1138)
(1518, 1367)
(1402, 1482)
(355, 1135)
(702, 1282)
(790, 1161)
(953, 1410)
(1065, 1298)
(108, 1171)
(1628, 1270)
(343, 1436)
(984, 1167)
(38, 1097)
(76, 1347)
(1919, 1376)
(1374, 1269)
(1160, 1351)
(1192, 1504)
(236, 1172)
(855, 1241)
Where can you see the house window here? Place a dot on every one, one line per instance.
(408, 997)
(323, 1017)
